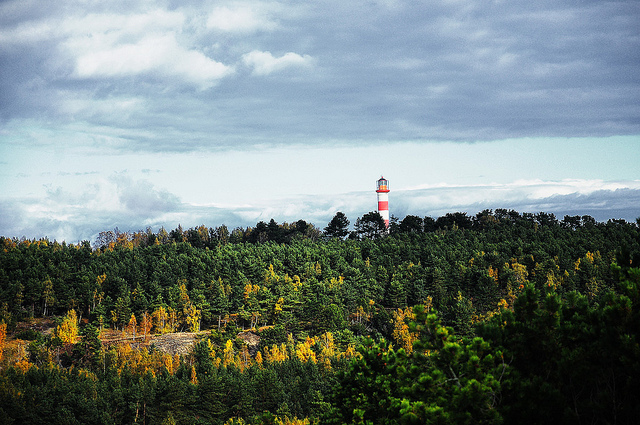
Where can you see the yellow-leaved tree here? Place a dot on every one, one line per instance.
(304, 352)
(145, 324)
(132, 327)
(3, 335)
(193, 376)
(276, 354)
(401, 332)
(327, 348)
(228, 354)
(192, 317)
(172, 319)
(167, 361)
(67, 331)
(258, 359)
(160, 319)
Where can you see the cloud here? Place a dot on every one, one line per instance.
(73, 215)
(264, 63)
(242, 19)
(91, 30)
(107, 45)
(602, 200)
(129, 45)
(389, 71)
(158, 55)
(141, 198)
(101, 108)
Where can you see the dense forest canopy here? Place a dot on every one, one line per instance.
(327, 305)
(447, 258)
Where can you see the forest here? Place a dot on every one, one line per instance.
(500, 317)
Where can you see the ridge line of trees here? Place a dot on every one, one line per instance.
(369, 226)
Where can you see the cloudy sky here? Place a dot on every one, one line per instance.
(158, 113)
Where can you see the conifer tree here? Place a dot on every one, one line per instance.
(338, 226)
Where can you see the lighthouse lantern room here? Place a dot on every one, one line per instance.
(383, 199)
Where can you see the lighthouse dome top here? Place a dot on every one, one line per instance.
(383, 185)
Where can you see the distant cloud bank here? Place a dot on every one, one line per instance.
(133, 205)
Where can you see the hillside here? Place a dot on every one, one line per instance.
(271, 324)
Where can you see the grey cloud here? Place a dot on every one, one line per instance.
(382, 71)
(140, 198)
(11, 219)
(499, 75)
(602, 205)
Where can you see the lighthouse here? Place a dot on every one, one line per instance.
(383, 200)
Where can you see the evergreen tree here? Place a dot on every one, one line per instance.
(338, 227)
(370, 226)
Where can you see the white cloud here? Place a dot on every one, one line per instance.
(242, 19)
(117, 26)
(158, 54)
(87, 31)
(119, 45)
(603, 199)
(264, 63)
(140, 197)
(539, 189)
(102, 204)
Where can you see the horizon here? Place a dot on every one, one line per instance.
(117, 231)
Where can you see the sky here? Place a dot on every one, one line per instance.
(164, 113)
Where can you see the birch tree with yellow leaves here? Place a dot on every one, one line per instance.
(67, 331)
(3, 336)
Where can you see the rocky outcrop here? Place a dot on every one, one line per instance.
(252, 340)
(175, 343)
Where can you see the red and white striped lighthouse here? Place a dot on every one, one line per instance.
(383, 200)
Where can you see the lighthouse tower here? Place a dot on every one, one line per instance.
(383, 200)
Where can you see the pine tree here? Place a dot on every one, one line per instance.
(218, 299)
(47, 295)
(338, 227)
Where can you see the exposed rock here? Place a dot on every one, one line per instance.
(252, 340)
(175, 343)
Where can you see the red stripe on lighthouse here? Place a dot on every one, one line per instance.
(383, 205)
